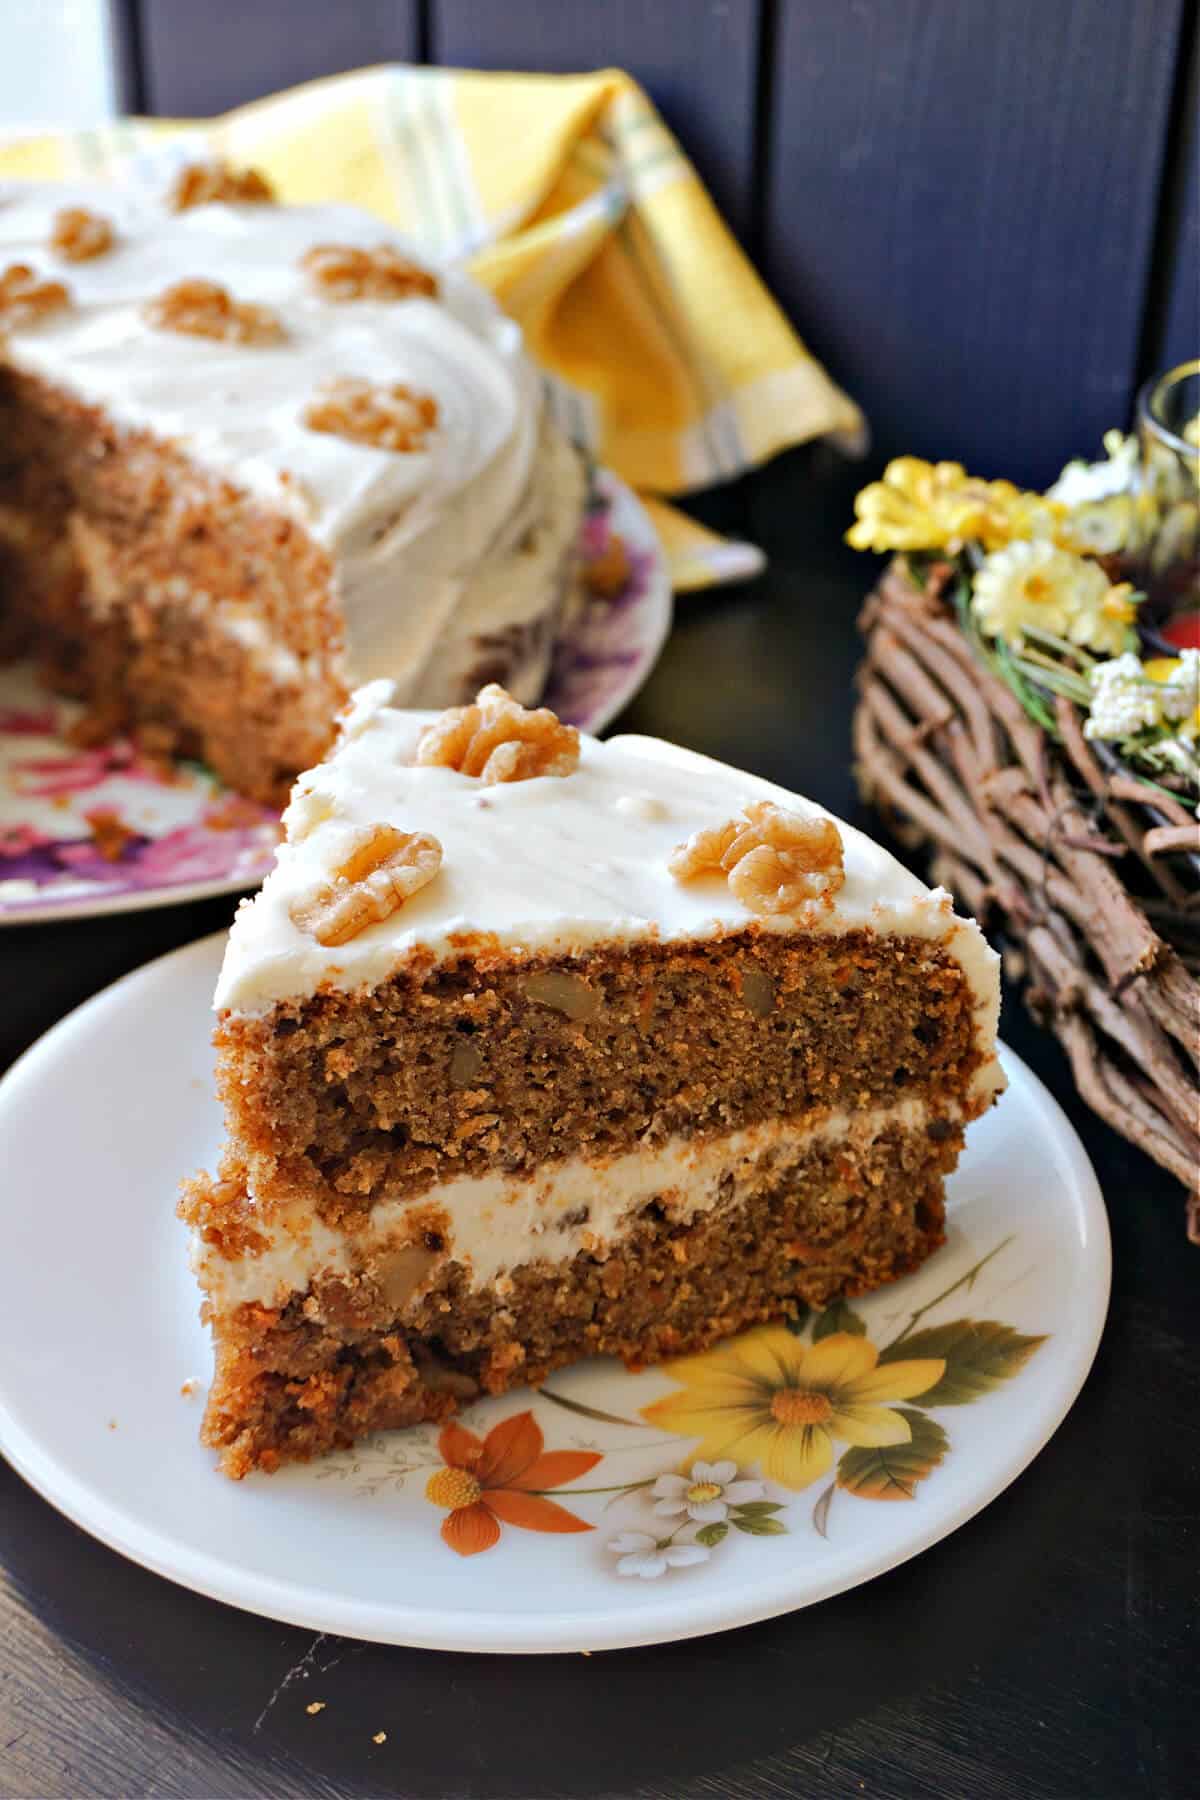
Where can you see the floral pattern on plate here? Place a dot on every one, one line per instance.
(103, 829)
(810, 1403)
(92, 829)
(351, 1543)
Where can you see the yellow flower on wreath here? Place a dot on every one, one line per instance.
(1035, 583)
(938, 506)
(1105, 626)
(769, 1399)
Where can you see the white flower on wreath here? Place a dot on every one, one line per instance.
(1034, 583)
(1107, 507)
(1104, 527)
(1125, 700)
(705, 1494)
(1178, 682)
(647, 1557)
(1179, 753)
(1082, 483)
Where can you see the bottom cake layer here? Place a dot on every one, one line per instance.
(837, 1215)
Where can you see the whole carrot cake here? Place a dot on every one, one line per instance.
(533, 1048)
(255, 455)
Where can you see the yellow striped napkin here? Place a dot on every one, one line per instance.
(568, 197)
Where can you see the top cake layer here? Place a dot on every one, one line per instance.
(237, 407)
(414, 523)
(552, 865)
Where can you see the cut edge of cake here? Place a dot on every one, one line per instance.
(257, 455)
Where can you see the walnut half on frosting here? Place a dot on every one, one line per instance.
(381, 869)
(773, 860)
(348, 272)
(498, 739)
(203, 183)
(387, 418)
(206, 309)
(78, 235)
(25, 297)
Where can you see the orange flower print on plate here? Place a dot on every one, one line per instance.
(502, 1479)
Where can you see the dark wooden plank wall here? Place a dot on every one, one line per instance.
(1178, 266)
(699, 60)
(984, 218)
(199, 57)
(962, 213)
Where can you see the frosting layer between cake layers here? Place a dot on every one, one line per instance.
(496, 1223)
(468, 532)
(553, 866)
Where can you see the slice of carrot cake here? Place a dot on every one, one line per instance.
(255, 455)
(534, 1048)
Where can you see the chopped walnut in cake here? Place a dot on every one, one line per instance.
(345, 272)
(498, 739)
(381, 869)
(203, 183)
(206, 309)
(25, 297)
(78, 234)
(773, 860)
(387, 418)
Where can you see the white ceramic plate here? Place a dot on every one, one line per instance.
(99, 1335)
(101, 830)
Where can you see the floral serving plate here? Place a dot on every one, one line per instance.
(611, 1507)
(102, 829)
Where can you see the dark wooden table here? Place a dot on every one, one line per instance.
(1049, 1648)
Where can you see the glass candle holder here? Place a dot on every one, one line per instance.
(1169, 442)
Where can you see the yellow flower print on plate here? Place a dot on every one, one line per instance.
(769, 1399)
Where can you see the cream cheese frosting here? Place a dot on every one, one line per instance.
(552, 865)
(417, 538)
(491, 1224)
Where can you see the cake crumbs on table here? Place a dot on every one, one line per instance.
(315, 1706)
(191, 1387)
(380, 1737)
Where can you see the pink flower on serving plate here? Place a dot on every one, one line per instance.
(47, 777)
(594, 534)
(21, 840)
(27, 721)
(197, 853)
